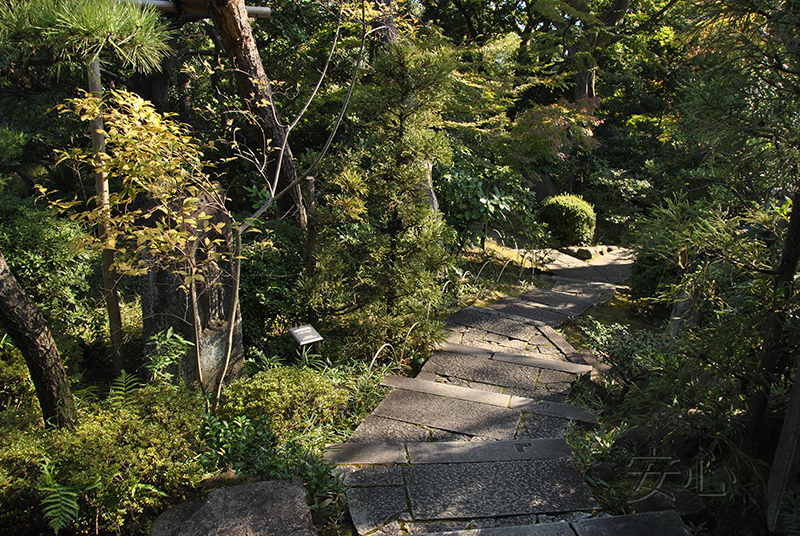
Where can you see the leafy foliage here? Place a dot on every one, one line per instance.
(286, 395)
(122, 460)
(60, 505)
(166, 207)
(81, 31)
(166, 350)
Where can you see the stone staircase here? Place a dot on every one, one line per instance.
(475, 443)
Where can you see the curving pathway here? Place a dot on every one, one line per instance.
(474, 445)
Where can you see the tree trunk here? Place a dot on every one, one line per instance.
(230, 18)
(26, 326)
(102, 192)
(771, 347)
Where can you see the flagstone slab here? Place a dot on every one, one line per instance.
(667, 523)
(480, 369)
(548, 351)
(549, 364)
(558, 341)
(541, 314)
(596, 291)
(447, 390)
(487, 451)
(372, 507)
(375, 429)
(450, 414)
(552, 409)
(495, 322)
(543, 426)
(366, 453)
(464, 490)
(375, 475)
(544, 529)
(568, 304)
(455, 392)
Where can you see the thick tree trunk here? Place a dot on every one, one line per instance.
(230, 18)
(771, 347)
(28, 329)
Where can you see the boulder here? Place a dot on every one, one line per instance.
(275, 507)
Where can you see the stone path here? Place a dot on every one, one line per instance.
(474, 445)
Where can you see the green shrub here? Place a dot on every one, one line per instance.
(289, 396)
(125, 458)
(569, 219)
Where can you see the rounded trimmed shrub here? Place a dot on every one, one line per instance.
(569, 219)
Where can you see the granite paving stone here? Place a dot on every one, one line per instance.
(506, 521)
(391, 529)
(449, 414)
(544, 396)
(543, 352)
(487, 451)
(464, 349)
(437, 527)
(376, 429)
(370, 509)
(564, 366)
(543, 426)
(557, 340)
(484, 319)
(547, 529)
(552, 409)
(375, 475)
(570, 304)
(550, 375)
(668, 523)
(530, 311)
(598, 292)
(485, 371)
(453, 491)
(446, 390)
(366, 453)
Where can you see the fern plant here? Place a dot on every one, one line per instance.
(60, 504)
(122, 387)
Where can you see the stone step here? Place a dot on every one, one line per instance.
(500, 375)
(418, 498)
(496, 322)
(597, 291)
(518, 359)
(533, 312)
(541, 304)
(667, 523)
(465, 418)
(524, 404)
(446, 452)
(560, 528)
(520, 333)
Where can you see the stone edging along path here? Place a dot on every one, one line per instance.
(474, 445)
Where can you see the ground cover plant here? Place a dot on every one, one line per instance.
(404, 141)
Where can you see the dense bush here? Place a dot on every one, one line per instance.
(569, 219)
(287, 395)
(128, 455)
(42, 252)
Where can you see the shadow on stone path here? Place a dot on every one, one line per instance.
(475, 443)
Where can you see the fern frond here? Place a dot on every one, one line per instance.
(123, 386)
(60, 506)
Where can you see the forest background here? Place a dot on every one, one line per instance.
(337, 164)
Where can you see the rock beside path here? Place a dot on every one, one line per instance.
(275, 507)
